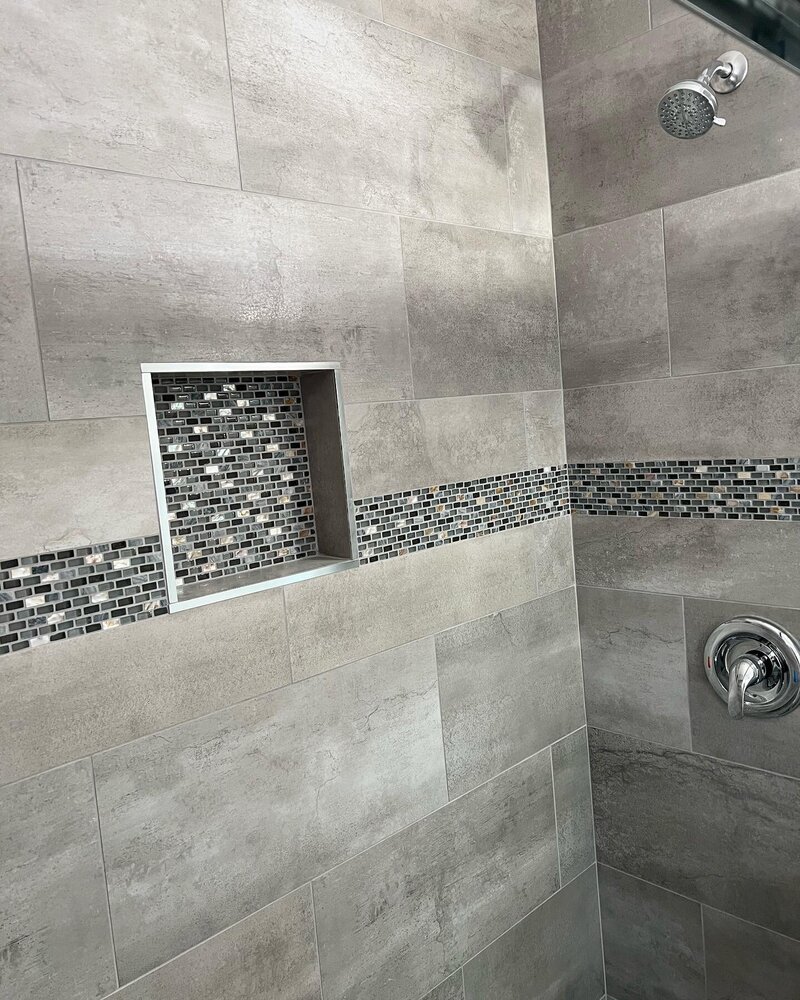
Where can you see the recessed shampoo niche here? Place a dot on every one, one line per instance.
(251, 475)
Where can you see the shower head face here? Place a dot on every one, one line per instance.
(687, 110)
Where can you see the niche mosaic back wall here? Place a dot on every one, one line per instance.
(374, 783)
(678, 272)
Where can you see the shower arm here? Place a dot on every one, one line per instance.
(717, 68)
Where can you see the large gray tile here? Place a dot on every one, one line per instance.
(555, 953)
(612, 302)
(509, 685)
(74, 483)
(347, 615)
(137, 87)
(370, 8)
(634, 668)
(55, 938)
(527, 153)
(652, 939)
(571, 31)
(407, 913)
(662, 11)
(429, 442)
(70, 699)
(481, 310)
(749, 741)
(738, 307)
(698, 417)
(544, 425)
(745, 962)
(242, 806)
(573, 793)
(128, 269)
(726, 560)
(552, 544)
(271, 955)
(360, 113)
(451, 989)
(722, 834)
(21, 383)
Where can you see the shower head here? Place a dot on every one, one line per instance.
(689, 109)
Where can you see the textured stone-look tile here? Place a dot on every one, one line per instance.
(72, 483)
(130, 269)
(612, 302)
(360, 113)
(573, 792)
(21, 383)
(653, 940)
(71, 699)
(748, 741)
(738, 307)
(509, 685)
(544, 425)
(662, 11)
(663, 814)
(552, 543)
(571, 31)
(410, 911)
(634, 669)
(271, 955)
(481, 310)
(451, 989)
(244, 805)
(527, 153)
(745, 962)
(348, 615)
(370, 8)
(553, 954)
(136, 87)
(692, 417)
(55, 939)
(430, 442)
(726, 560)
(610, 159)
(503, 33)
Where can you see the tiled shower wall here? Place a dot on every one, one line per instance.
(678, 272)
(376, 783)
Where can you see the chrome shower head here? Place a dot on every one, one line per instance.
(689, 109)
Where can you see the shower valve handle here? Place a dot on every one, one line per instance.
(743, 673)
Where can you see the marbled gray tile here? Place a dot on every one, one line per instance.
(451, 989)
(634, 668)
(136, 87)
(509, 685)
(130, 269)
(409, 912)
(72, 483)
(527, 153)
(612, 302)
(55, 938)
(271, 955)
(664, 815)
(726, 560)
(342, 617)
(22, 394)
(748, 741)
(745, 962)
(652, 939)
(555, 953)
(740, 306)
(481, 310)
(370, 8)
(360, 113)
(430, 442)
(662, 11)
(573, 794)
(552, 544)
(571, 31)
(264, 795)
(691, 417)
(610, 159)
(70, 699)
(544, 426)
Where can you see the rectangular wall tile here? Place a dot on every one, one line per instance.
(129, 269)
(573, 793)
(554, 952)
(410, 911)
(481, 310)
(745, 962)
(359, 113)
(662, 11)
(740, 306)
(544, 426)
(528, 183)
(348, 615)
(634, 668)
(572, 31)
(451, 989)
(264, 796)
(70, 699)
(509, 685)
(552, 543)
(662, 815)
(72, 483)
(125, 86)
(55, 938)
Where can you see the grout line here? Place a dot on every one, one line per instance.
(686, 673)
(680, 376)
(705, 956)
(506, 146)
(316, 940)
(666, 290)
(600, 918)
(555, 815)
(441, 718)
(105, 873)
(230, 88)
(408, 319)
(687, 597)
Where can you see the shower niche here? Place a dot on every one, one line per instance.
(251, 476)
